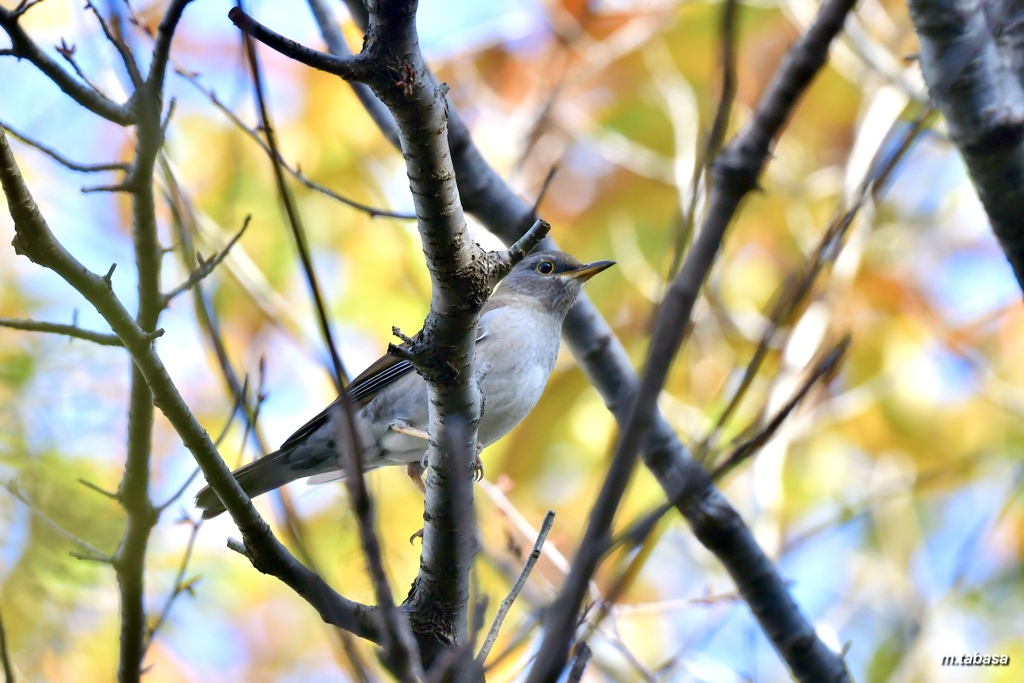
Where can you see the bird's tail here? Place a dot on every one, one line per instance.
(256, 478)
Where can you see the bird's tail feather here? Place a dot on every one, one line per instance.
(256, 478)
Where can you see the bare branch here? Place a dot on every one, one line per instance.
(5, 659)
(294, 219)
(734, 175)
(34, 240)
(57, 328)
(180, 586)
(355, 68)
(90, 552)
(972, 62)
(254, 135)
(517, 587)
(130, 65)
(63, 160)
(93, 487)
(23, 47)
(206, 266)
(162, 46)
(826, 367)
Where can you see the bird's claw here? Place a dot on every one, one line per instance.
(418, 534)
(478, 468)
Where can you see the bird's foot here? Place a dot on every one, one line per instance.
(478, 464)
(418, 534)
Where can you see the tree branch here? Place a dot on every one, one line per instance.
(57, 328)
(24, 47)
(972, 56)
(34, 240)
(63, 160)
(517, 587)
(353, 68)
(609, 368)
(206, 266)
(5, 659)
(734, 174)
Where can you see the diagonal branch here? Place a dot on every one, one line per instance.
(972, 59)
(34, 240)
(734, 175)
(23, 47)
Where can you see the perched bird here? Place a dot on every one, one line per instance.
(517, 341)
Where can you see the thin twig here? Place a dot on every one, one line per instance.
(93, 487)
(91, 552)
(180, 586)
(517, 587)
(101, 338)
(206, 266)
(23, 47)
(294, 219)
(63, 160)
(826, 367)
(252, 134)
(719, 127)
(552, 172)
(68, 53)
(130, 65)
(355, 68)
(5, 658)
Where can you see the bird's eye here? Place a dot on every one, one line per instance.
(545, 267)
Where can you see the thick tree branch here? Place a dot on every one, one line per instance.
(734, 175)
(34, 240)
(972, 54)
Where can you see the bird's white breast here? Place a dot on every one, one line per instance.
(516, 355)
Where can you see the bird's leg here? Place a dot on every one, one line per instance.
(415, 471)
(401, 427)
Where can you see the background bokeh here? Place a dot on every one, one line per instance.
(890, 499)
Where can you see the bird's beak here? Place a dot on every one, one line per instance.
(585, 272)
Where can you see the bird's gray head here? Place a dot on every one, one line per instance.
(551, 280)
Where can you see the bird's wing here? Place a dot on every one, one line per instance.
(361, 390)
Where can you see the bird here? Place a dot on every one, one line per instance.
(517, 341)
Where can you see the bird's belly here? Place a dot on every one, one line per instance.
(511, 393)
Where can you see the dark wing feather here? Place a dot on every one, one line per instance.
(361, 390)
